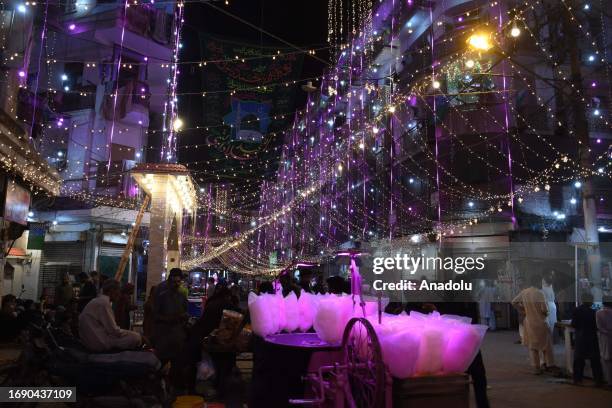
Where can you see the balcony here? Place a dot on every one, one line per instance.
(132, 104)
(146, 27)
(18, 157)
(83, 97)
(115, 181)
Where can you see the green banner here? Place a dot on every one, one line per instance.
(36, 235)
(107, 265)
(242, 123)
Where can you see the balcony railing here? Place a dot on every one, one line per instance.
(83, 97)
(132, 93)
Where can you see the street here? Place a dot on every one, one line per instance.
(512, 384)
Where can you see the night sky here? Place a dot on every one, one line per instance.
(301, 23)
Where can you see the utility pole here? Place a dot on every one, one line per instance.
(581, 132)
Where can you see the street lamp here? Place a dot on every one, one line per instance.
(177, 125)
(480, 41)
(515, 31)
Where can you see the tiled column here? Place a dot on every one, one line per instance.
(159, 229)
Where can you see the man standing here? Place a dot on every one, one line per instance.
(583, 321)
(64, 293)
(210, 287)
(536, 334)
(97, 327)
(87, 292)
(95, 279)
(604, 325)
(124, 306)
(487, 297)
(170, 314)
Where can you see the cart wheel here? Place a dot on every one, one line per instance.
(365, 368)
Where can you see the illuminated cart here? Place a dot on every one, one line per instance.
(354, 372)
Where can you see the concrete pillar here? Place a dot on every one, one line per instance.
(92, 249)
(165, 210)
(172, 192)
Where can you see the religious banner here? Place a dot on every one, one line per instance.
(249, 96)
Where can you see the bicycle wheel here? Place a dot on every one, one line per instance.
(365, 367)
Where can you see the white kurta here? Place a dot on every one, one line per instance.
(549, 295)
(99, 331)
(536, 332)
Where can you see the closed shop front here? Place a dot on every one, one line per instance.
(108, 260)
(59, 258)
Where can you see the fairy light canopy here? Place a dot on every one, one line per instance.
(174, 180)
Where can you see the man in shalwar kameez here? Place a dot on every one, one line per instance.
(537, 336)
(604, 325)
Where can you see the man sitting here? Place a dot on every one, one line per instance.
(97, 327)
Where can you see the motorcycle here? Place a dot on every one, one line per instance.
(53, 357)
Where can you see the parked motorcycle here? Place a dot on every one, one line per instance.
(53, 357)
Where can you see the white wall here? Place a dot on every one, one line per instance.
(26, 271)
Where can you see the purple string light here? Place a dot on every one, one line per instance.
(433, 76)
(168, 151)
(117, 71)
(507, 122)
(42, 43)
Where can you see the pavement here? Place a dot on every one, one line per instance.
(513, 384)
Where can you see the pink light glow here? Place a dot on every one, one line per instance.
(415, 344)
(71, 27)
(304, 265)
(22, 74)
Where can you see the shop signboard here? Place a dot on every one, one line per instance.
(16, 203)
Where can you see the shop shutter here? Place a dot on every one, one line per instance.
(108, 249)
(59, 258)
(108, 260)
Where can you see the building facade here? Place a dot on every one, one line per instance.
(453, 126)
(94, 94)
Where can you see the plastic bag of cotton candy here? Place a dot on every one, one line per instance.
(332, 314)
(272, 314)
(265, 316)
(307, 305)
(462, 344)
(292, 313)
(448, 343)
(431, 344)
(399, 342)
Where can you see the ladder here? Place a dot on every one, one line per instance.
(130, 243)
